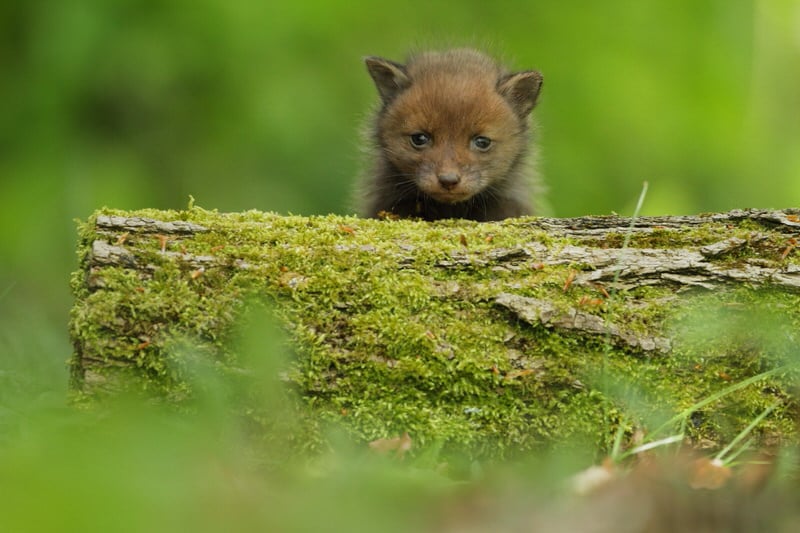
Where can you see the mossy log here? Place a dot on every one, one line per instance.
(481, 337)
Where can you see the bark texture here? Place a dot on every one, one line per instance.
(463, 322)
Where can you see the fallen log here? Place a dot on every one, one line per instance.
(484, 337)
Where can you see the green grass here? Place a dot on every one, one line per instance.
(133, 465)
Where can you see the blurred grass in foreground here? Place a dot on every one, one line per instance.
(131, 465)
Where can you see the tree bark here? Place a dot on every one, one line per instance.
(488, 296)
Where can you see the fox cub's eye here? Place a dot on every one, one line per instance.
(481, 143)
(418, 140)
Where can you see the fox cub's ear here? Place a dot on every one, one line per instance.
(521, 89)
(390, 77)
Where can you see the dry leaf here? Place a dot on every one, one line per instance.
(791, 246)
(570, 279)
(589, 480)
(708, 474)
(754, 476)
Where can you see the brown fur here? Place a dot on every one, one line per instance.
(453, 98)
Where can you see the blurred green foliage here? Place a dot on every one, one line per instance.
(131, 103)
(141, 103)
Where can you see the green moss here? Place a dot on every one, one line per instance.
(388, 340)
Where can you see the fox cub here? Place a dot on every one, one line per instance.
(451, 138)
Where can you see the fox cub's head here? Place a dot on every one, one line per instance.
(453, 124)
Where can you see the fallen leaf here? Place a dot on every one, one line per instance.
(791, 246)
(708, 474)
(602, 290)
(570, 279)
(594, 477)
(755, 475)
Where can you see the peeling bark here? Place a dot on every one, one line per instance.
(682, 261)
(456, 329)
(541, 312)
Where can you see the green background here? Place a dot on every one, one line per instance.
(132, 104)
(258, 104)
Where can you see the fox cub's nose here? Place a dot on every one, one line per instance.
(449, 180)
